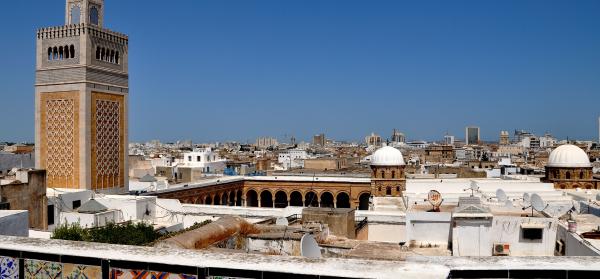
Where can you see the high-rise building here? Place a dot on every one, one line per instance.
(472, 135)
(319, 140)
(265, 142)
(398, 137)
(504, 139)
(81, 100)
(449, 140)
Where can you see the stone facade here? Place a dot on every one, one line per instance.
(388, 181)
(81, 101)
(30, 196)
(571, 178)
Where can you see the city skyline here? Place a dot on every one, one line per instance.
(343, 70)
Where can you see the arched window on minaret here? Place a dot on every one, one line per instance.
(72, 51)
(67, 56)
(117, 57)
(55, 53)
(75, 14)
(581, 175)
(49, 53)
(112, 56)
(103, 54)
(94, 17)
(97, 53)
(568, 175)
(60, 53)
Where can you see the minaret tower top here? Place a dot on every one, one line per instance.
(84, 11)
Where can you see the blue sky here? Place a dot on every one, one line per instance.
(235, 70)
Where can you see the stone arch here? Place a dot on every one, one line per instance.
(232, 198)
(296, 199)
(281, 199)
(60, 53)
(266, 198)
(72, 51)
(311, 199)
(239, 198)
(327, 200)
(49, 53)
(251, 198)
(363, 201)
(342, 200)
(67, 56)
(117, 57)
(208, 199)
(55, 53)
(97, 53)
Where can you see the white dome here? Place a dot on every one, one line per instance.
(387, 156)
(568, 156)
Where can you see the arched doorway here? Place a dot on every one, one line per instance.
(266, 199)
(217, 199)
(311, 200)
(343, 200)
(363, 201)
(224, 199)
(281, 200)
(326, 199)
(232, 198)
(208, 200)
(251, 198)
(388, 191)
(239, 198)
(296, 199)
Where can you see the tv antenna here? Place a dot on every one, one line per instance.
(474, 188)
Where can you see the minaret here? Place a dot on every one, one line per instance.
(81, 100)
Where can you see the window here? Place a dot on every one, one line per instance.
(75, 15)
(4, 206)
(49, 53)
(50, 214)
(388, 191)
(76, 204)
(198, 158)
(94, 18)
(532, 233)
(398, 189)
(97, 53)
(72, 49)
(568, 175)
(382, 174)
(581, 175)
(393, 174)
(189, 158)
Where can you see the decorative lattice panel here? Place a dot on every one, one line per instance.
(108, 147)
(60, 138)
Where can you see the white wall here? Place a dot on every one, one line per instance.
(14, 222)
(472, 240)
(392, 233)
(131, 207)
(428, 228)
(91, 220)
(574, 245)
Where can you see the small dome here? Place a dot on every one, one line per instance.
(387, 156)
(568, 156)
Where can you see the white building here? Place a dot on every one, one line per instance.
(292, 159)
(205, 159)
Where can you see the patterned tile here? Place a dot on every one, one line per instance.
(119, 273)
(79, 271)
(9, 268)
(35, 269)
(167, 275)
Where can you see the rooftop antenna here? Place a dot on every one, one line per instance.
(309, 247)
(501, 195)
(474, 188)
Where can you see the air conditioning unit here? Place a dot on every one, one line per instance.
(501, 249)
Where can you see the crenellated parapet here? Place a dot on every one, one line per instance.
(75, 30)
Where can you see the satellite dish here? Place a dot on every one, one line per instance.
(526, 197)
(508, 204)
(309, 247)
(474, 186)
(281, 221)
(537, 203)
(501, 195)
